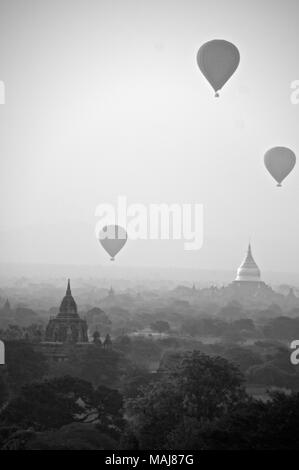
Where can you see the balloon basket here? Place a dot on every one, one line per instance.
(279, 185)
(112, 259)
(217, 95)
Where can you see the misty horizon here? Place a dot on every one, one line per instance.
(95, 108)
(44, 272)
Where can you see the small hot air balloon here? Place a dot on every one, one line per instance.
(218, 60)
(279, 161)
(112, 239)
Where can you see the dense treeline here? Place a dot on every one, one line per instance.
(106, 400)
(170, 381)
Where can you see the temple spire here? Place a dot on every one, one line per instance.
(249, 252)
(68, 289)
(6, 305)
(111, 292)
(68, 306)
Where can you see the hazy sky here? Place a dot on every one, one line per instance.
(104, 98)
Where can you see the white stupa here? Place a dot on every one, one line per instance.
(248, 271)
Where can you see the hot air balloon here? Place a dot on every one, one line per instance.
(218, 60)
(112, 239)
(279, 161)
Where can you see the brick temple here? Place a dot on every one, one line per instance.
(67, 326)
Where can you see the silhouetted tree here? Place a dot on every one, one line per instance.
(24, 364)
(254, 425)
(197, 387)
(60, 401)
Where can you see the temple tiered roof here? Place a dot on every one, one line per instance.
(68, 306)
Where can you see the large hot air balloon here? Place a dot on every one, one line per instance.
(218, 60)
(112, 239)
(279, 161)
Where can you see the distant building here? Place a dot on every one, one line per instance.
(6, 315)
(248, 281)
(107, 342)
(248, 277)
(111, 292)
(97, 338)
(248, 271)
(67, 326)
(247, 288)
(6, 307)
(291, 300)
(98, 320)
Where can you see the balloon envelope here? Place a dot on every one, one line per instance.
(279, 161)
(112, 239)
(218, 60)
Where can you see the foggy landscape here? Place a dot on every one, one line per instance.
(149, 277)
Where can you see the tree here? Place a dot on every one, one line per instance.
(197, 387)
(34, 332)
(101, 367)
(210, 384)
(13, 333)
(97, 319)
(134, 379)
(3, 389)
(24, 364)
(61, 401)
(282, 328)
(242, 357)
(94, 364)
(154, 413)
(160, 326)
(123, 343)
(243, 324)
(203, 326)
(25, 316)
(145, 352)
(254, 425)
(49, 404)
(72, 436)
(233, 311)
(269, 374)
(109, 411)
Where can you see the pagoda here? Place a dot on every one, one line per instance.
(67, 326)
(248, 271)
